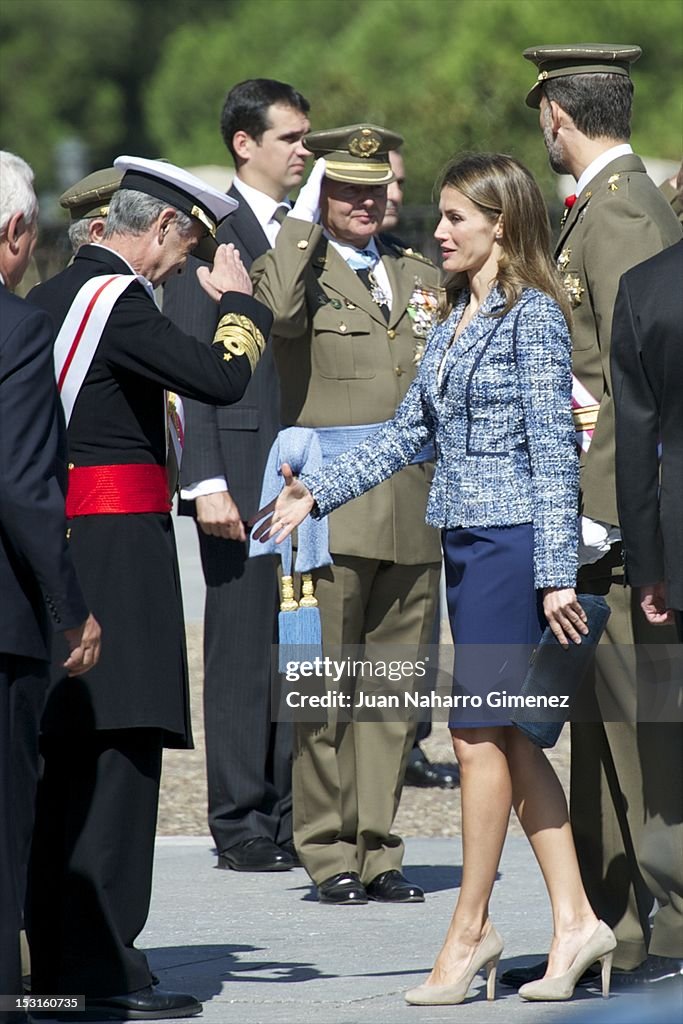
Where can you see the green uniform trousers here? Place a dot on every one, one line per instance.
(627, 785)
(347, 775)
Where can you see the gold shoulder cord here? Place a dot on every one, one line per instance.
(239, 336)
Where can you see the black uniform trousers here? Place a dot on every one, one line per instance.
(90, 885)
(248, 756)
(23, 683)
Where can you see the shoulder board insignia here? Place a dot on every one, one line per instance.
(412, 252)
(612, 182)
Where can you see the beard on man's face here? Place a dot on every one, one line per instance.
(555, 154)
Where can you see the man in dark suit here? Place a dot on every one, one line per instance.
(647, 371)
(91, 868)
(248, 758)
(38, 587)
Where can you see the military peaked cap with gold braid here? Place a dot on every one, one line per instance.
(356, 153)
(558, 61)
(182, 190)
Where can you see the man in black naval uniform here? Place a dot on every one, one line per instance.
(102, 739)
(248, 757)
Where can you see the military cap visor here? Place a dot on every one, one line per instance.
(578, 59)
(355, 153)
(90, 196)
(183, 191)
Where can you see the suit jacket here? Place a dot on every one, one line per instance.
(341, 363)
(231, 441)
(497, 404)
(127, 563)
(620, 219)
(38, 586)
(647, 375)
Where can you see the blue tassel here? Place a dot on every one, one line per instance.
(299, 629)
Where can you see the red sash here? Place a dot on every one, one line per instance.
(118, 490)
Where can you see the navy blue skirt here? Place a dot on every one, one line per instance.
(496, 617)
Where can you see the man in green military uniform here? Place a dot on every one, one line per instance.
(351, 314)
(88, 204)
(617, 219)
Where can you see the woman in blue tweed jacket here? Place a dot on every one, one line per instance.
(493, 392)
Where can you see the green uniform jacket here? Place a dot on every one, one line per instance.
(341, 363)
(619, 220)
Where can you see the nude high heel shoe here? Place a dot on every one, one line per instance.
(599, 947)
(486, 954)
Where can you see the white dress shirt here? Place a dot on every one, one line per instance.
(379, 270)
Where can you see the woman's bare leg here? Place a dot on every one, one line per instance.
(541, 806)
(486, 795)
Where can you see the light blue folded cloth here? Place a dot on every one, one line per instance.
(300, 447)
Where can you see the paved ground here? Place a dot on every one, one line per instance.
(258, 949)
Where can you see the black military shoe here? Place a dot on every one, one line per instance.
(257, 854)
(342, 889)
(422, 773)
(393, 887)
(290, 849)
(145, 1004)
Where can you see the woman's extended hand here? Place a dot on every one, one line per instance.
(286, 512)
(565, 616)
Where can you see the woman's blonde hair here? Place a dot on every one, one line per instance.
(498, 184)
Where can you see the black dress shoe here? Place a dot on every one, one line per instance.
(290, 849)
(258, 854)
(518, 976)
(421, 772)
(654, 970)
(145, 1004)
(342, 889)
(393, 887)
(663, 968)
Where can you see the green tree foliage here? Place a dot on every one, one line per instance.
(78, 68)
(149, 76)
(448, 74)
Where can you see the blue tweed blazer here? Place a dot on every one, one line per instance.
(497, 404)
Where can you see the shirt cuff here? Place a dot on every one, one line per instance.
(198, 488)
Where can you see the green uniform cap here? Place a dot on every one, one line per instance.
(90, 196)
(357, 153)
(578, 59)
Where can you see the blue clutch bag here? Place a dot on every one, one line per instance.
(555, 674)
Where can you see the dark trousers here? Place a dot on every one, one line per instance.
(23, 682)
(90, 876)
(248, 756)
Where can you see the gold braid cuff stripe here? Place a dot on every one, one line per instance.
(240, 336)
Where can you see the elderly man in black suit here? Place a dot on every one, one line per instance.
(248, 757)
(39, 591)
(102, 743)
